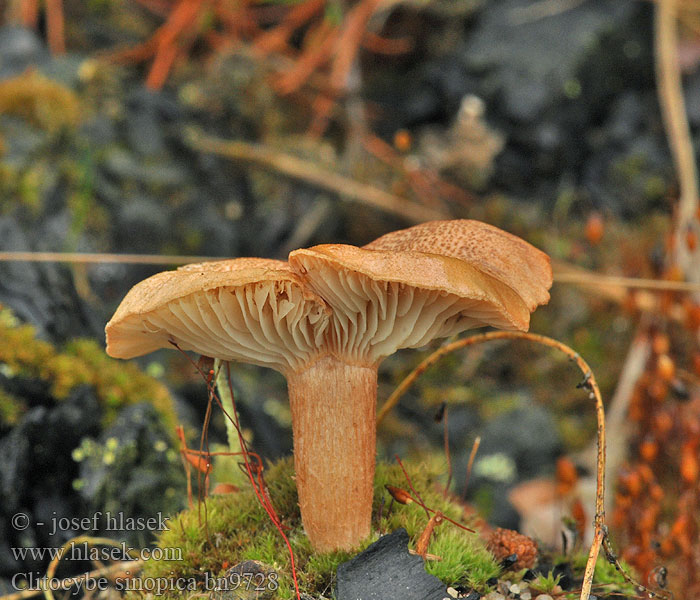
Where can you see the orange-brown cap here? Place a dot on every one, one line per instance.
(250, 309)
(429, 281)
(502, 255)
(401, 291)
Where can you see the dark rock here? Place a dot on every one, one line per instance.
(128, 470)
(516, 446)
(566, 574)
(249, 580)
(143, 225)
(37, 471)
(528, 435)
(626, 118)
(22, 142)
(509, 561)
(42, 294)
(386, 571)
(692, 98)
(535, 58)
(99, 131)
(157, 174)
(19, 49)
(144, 125)
(204, 230)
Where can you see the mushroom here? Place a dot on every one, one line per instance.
(325, 319)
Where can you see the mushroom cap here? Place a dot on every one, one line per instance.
(404, 291)
(502, 255)
(250, 309)
(359, 304)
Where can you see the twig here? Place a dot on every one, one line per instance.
(612, 558)
(306, 226)
(470, 465)
(100, 258)
(276, 38)
(566, 274)
(417, 499)
(53, 565)
(55, 26)
(542, 10)
(448, 456)
(589, 383)
(670, 90)
(253, 472)
(314, 174)
(398, 493)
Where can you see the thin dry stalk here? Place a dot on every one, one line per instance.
(99, 258)
(448, 455)
(470, 465)
(589, 383)
(670, 91)
(128, 567)
(403, 497)
(71, 581)
(316, 175)
(253, 465)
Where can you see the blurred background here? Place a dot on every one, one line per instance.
(179, 129)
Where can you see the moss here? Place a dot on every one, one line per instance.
(607, 575)
(41, 101)
(225, 530)
(11, 409)
(80, 362)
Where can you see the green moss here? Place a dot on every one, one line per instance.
(41, 101)
(80, 362)
(11, 409)
(607, 576)
(225, 530)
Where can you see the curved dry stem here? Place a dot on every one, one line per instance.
(589, 383)
(670, 92)
(69, 582)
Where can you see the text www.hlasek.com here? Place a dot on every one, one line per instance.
(88, 552)
(75, 551)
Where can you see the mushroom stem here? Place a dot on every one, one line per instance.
(333, 419)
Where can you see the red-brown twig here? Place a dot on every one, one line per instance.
(253, 471)
(310, 60)
(275, 39)
(55, 26)
(398, 493)
(168, 47)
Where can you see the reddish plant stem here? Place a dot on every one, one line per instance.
(255, 474)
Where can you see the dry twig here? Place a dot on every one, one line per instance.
(316, 175)
(589, 383)
(670, 92)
